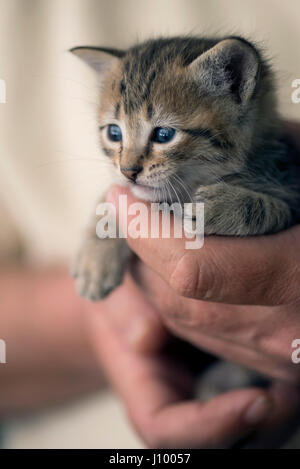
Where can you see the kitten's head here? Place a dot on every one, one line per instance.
(180, 112)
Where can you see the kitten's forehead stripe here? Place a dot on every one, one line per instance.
(146, 63)
(207, 133)
(122, 87)
(149, 111)
(117, 110)
(148, 148)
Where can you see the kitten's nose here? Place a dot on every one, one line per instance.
(131, 173)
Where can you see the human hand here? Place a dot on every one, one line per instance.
(157, 388)
(210, 296)
(194, 292)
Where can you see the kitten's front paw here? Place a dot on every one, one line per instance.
(99, 267)
(221, 210)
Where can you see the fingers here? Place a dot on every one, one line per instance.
(151, 387)
(282, 422)
(218, 423)
(261, 270)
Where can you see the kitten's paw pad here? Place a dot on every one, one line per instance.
(98, 271)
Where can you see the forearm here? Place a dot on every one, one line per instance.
(48, 352)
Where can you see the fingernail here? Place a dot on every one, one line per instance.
(258, 410)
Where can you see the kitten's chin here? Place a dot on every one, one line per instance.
(150, 194)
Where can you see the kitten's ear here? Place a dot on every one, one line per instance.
(231, 66)
(100, 59)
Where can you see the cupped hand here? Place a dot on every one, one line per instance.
(156, 389)
(236, 298)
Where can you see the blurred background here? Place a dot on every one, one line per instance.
(50, 166)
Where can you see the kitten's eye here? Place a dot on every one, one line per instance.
(114, 133)
(163, 134)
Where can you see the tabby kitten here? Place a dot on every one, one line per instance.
(190, 117)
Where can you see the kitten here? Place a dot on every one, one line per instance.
(192, 116)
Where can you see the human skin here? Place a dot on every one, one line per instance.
(49, 358)
(235, 298)
(49, 331)
(156, 388)
(226, 279)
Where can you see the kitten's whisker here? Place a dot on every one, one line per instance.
(179, 190)
(165, 195)
(177, 182)
(168, 190)
(172, 186)
(181, 182)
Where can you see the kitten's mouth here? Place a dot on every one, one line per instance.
(150, 193)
